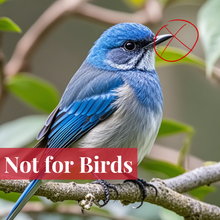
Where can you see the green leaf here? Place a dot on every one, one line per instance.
(135, 3)
(2, 1)
(6, 24)
(167, 168)
(34, 91)
(173, 53)
(209, 29)
(201, 192)
(171, 127)
(22, 131)
(185, 148)
(13, 197)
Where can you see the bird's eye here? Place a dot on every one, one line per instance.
(129, 45)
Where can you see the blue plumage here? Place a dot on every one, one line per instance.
(86, 111)
(24, 198)
(113, 38)
(71, 122)
(146, 88)
(113, 100)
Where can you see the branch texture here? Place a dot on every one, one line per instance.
(87, 194)
(198, 177)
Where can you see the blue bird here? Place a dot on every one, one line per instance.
(113, 100)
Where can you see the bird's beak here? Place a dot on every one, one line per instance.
(162, 38)
(159, 39)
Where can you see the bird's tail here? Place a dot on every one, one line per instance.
(24, 198)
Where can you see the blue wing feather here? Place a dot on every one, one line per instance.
(71, 125)
(82, 106)
(44, 130)
(23, 199)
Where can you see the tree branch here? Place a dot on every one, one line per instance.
(61, 9)
(198, 177)
(87, 194)
(31, 39)
(150, 14)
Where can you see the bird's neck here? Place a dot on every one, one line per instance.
(145, 84)
(146, 87)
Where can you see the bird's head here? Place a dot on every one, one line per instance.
(125, 46)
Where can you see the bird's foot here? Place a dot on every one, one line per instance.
(142, 184)
(106, 186)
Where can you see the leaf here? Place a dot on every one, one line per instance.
(173, 53)
(185, 149)
(13, 197)
(22, 131)
(2, 1)
(201, 192)
(34, 91)
(170, 127)
(167, 168)
(135, 3)
(6, 24)
(209, 29)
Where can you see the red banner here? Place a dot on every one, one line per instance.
(70, 163)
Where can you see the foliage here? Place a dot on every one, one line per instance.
(134, 3)
(209, 28)
(173, 53)
(23, 130)
(34, 91)
(6, 24)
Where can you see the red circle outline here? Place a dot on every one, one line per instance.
(191, 48)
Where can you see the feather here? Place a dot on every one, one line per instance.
(24, 198)
(67, 129)
(46, 127)
(81, 108)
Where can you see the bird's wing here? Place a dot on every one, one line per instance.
(67, 124)
(71, 119)
(72, 123)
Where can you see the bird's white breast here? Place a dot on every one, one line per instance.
(132, 125)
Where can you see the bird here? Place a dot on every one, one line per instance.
(113, 100)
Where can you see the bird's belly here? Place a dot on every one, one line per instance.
(131, 126)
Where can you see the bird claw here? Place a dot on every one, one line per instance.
(142, 184)
(106, 186)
